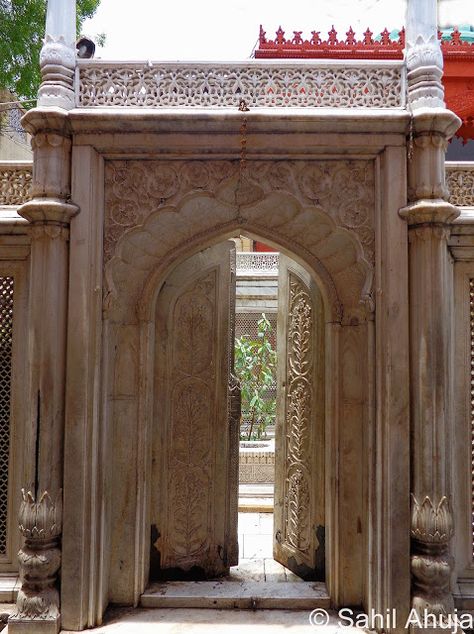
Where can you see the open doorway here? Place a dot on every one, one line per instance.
(256, 359)
(272, 315)
(275, 442)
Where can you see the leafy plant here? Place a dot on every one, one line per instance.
(22, 25)
(255, 367)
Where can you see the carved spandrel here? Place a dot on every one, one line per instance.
(344, 189)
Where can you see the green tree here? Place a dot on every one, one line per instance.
(255, 367)
(22, 24)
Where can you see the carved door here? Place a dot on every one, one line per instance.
(196, 443)
(299, 436)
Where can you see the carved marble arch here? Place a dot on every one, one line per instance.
(145, 254)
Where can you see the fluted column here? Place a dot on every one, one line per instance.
(429, 216)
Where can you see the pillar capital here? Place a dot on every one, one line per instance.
(51, 183)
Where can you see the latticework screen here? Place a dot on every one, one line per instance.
(6, 335)
(247, 324)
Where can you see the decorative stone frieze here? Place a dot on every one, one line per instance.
(266, 85)
(40, 522)
(431, 564)
(257, 462)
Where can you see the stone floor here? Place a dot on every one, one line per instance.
(256, 569)
(256, 498)
(255, 548)
(186, 621)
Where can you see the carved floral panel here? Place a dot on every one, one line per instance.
(15, 183)
(191, 410)
(460, 182)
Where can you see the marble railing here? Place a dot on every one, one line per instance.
(460, 182)
(253, 263)
(259, 83)
(15, 182)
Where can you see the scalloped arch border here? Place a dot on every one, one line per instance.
(145, 254)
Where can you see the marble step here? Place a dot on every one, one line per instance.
(250, 595)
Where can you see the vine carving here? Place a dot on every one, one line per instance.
(299, 404)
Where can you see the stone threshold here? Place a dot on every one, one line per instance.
(228, 594)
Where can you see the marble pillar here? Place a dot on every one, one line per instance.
(49, 213)
(429, 216)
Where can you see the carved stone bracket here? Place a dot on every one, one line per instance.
(37, 608)
(431, 564)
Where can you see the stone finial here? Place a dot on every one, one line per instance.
(58, 55)
(423, 56)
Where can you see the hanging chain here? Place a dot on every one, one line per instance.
(410, 137)
(243, 154)
(243, 148)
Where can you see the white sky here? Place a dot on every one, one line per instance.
(228, 29)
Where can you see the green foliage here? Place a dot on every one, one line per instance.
(255, 367)
(22, 24)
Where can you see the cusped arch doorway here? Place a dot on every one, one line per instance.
(196, 418)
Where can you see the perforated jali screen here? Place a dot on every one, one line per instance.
(6, 335)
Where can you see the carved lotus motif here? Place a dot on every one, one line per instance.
(40, 520)
(430, 522)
